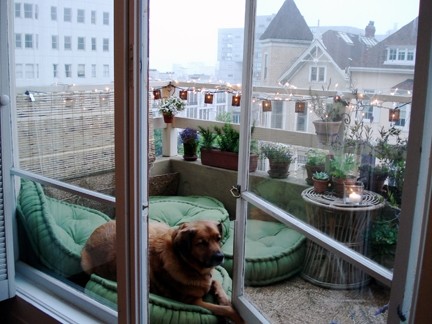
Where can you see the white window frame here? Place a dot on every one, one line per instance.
(55, 71)
(17, 10)
(28, 41)
(105, 44)
(320, 72)
(106, 18)
(93, 70)
(81, 71)
(67, 14)
(68, 70)
(18, 40)
(53, 13)
(81, 43)
(54, 42)
(94, 43)
(28, 10)
(67, 43)
(93, 17)
(80, 16)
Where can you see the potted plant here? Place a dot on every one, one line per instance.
(321, 181)
(170, 107)
(189, 138)
(383, 236)
(330, 116)
(315, 161)
(342, 171)
(280, 157)
(220, 146)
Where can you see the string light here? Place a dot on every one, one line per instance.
(157, 94)
(266, 105)
(183, 94)
(394, 115)
(235, 101)
(208, 98)
(300, 106)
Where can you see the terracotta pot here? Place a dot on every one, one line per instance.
(327, 132)
(320, 186)
(310, 170)
(338, 185)
(225, 160)
(168, 118)
(278, 170)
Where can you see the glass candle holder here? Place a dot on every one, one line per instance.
(353, 193)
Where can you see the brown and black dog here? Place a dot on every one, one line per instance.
(181, 260)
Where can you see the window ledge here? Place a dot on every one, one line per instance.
(59, 300)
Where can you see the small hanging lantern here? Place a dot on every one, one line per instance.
(157, 94)
(235, 101)
(183, 94)
(394, 115)
(266, 105)
(300, 106)
(208, 98)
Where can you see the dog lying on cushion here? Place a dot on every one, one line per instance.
(181, 262)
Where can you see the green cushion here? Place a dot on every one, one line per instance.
(162, 310)
(176, 210)
(56, 230)
(274, 252)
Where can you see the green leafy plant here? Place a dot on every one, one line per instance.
(277, 152)
(315, 157)
(227, 138)
(207, 137)
(342, 165)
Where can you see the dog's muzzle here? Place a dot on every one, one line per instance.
(216, 259)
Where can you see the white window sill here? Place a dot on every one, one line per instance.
(58, 300)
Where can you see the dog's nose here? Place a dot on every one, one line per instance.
(217, 258)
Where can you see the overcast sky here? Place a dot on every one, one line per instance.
(185, 31)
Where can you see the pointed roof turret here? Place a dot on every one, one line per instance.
(288, 24)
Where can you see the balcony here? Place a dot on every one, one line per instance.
(89, 163)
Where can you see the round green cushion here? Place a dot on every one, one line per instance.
(161, 309)
(57, 231)
(273, 252)
(176, 210)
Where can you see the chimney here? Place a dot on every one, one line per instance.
(370, 30)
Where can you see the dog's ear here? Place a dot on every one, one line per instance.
(182, 238)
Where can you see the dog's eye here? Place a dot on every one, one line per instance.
(202, 243)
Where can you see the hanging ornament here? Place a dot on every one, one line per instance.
(394, 115)
(183, 94)
(157, 94)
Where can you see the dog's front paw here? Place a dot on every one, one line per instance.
(220, 294)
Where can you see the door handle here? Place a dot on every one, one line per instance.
(4, 100)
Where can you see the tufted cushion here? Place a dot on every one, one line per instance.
(162, 310)
(274, 252)
(175, 210)
(57, 230)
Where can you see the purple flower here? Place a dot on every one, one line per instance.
(189, 135)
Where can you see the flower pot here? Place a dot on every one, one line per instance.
(311, 169)
(189, 150)
(320, 186)
(338, 185)
(327, 131)
(278, 170)
(168, 118)
(225, 160)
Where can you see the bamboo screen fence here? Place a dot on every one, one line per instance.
(64, 135)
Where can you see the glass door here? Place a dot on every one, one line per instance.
(306, 254)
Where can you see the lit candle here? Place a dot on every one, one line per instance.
(354, 197)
